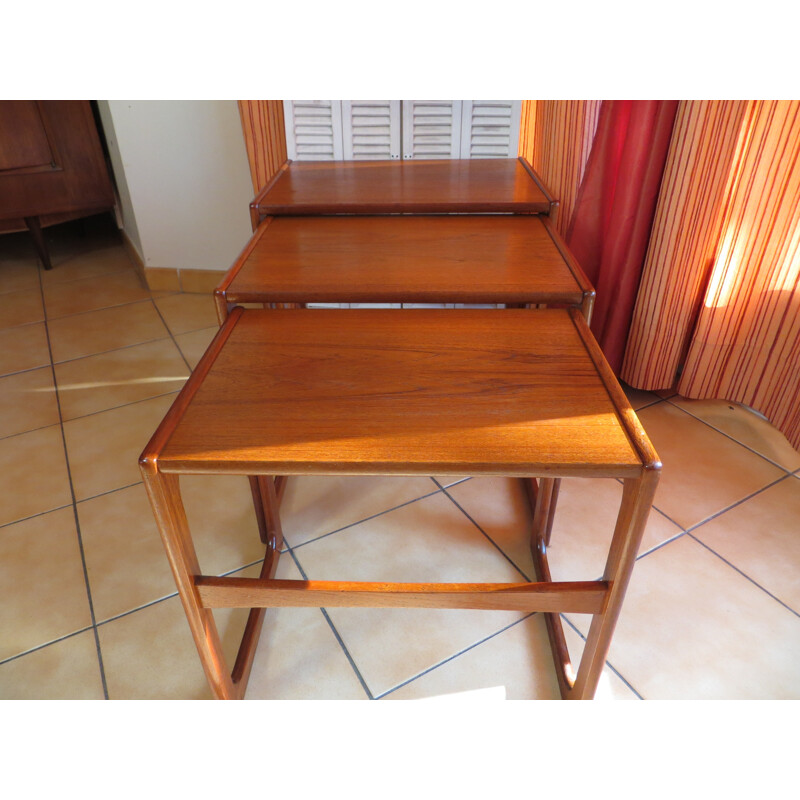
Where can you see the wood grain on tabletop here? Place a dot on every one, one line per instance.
(398, 392)
(415, 186)
(423, 259)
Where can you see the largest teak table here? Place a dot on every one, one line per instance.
(414, 392)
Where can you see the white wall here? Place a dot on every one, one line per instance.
(184, 168)
(125, 206)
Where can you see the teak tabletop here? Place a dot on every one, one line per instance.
(412, 392)
(475, 185)
(413, 259)
(468, 393)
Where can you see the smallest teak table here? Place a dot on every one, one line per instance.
(412, 392)
(435, 186)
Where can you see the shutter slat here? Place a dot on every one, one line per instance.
(490, 128)
(313, 129)
(371, 129)
(431, 128)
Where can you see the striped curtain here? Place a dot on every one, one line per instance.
(556, 138)
(264, 138)
(720, 291)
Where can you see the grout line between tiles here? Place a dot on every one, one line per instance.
(113, 349)
(366, 519)
(722, 511)
(454, 656)
(336, 633)
(668, 517)
(32, 430)
(109, 491)
(48, 318)
(45, 644)
(23, 324)
(728, 436)
(173, 335)
(449, 485)
(171, 595)
(649, 405)
(75, 507)
(492, 541)
(22, 371)
(744, 574)
(85, 277)
(123, 405)
(657, 547)
(33, 516)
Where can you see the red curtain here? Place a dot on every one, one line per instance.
(614, 211)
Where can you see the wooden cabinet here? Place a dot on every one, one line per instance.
(52, 167)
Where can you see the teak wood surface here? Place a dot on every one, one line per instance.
(413, 259)
(506, 185)
(412, 392)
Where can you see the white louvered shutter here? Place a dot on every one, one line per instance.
(313, 130)
(431, 128)
(371, 129)
(490, 128)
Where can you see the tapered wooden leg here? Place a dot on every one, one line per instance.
(546, 489)
(531, 487)
(637, 499)
(258, 505)
(165, 498)
(255, 620)
(38, 239)
(259, 491)
(551, 511)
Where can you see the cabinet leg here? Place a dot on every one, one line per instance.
(38, 240)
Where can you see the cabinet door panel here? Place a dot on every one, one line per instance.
(51, 159)
(24, 143)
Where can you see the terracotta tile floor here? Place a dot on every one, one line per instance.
(89, 363)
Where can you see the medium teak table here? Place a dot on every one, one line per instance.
(504, 258)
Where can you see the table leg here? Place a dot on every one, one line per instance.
(637, 499)
(165, 499)
(542, 497)
(258, 505)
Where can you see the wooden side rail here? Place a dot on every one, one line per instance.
(255, 619)
(579, 597)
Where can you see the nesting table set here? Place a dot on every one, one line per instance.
(286, 390)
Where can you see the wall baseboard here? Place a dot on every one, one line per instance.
(202, 281)
(197, 281)
(133, 253)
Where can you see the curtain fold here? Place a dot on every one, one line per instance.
(556, 138)
(683, 241)
(264, 138)
(720, 296)
(614, 210)
(746, 345)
